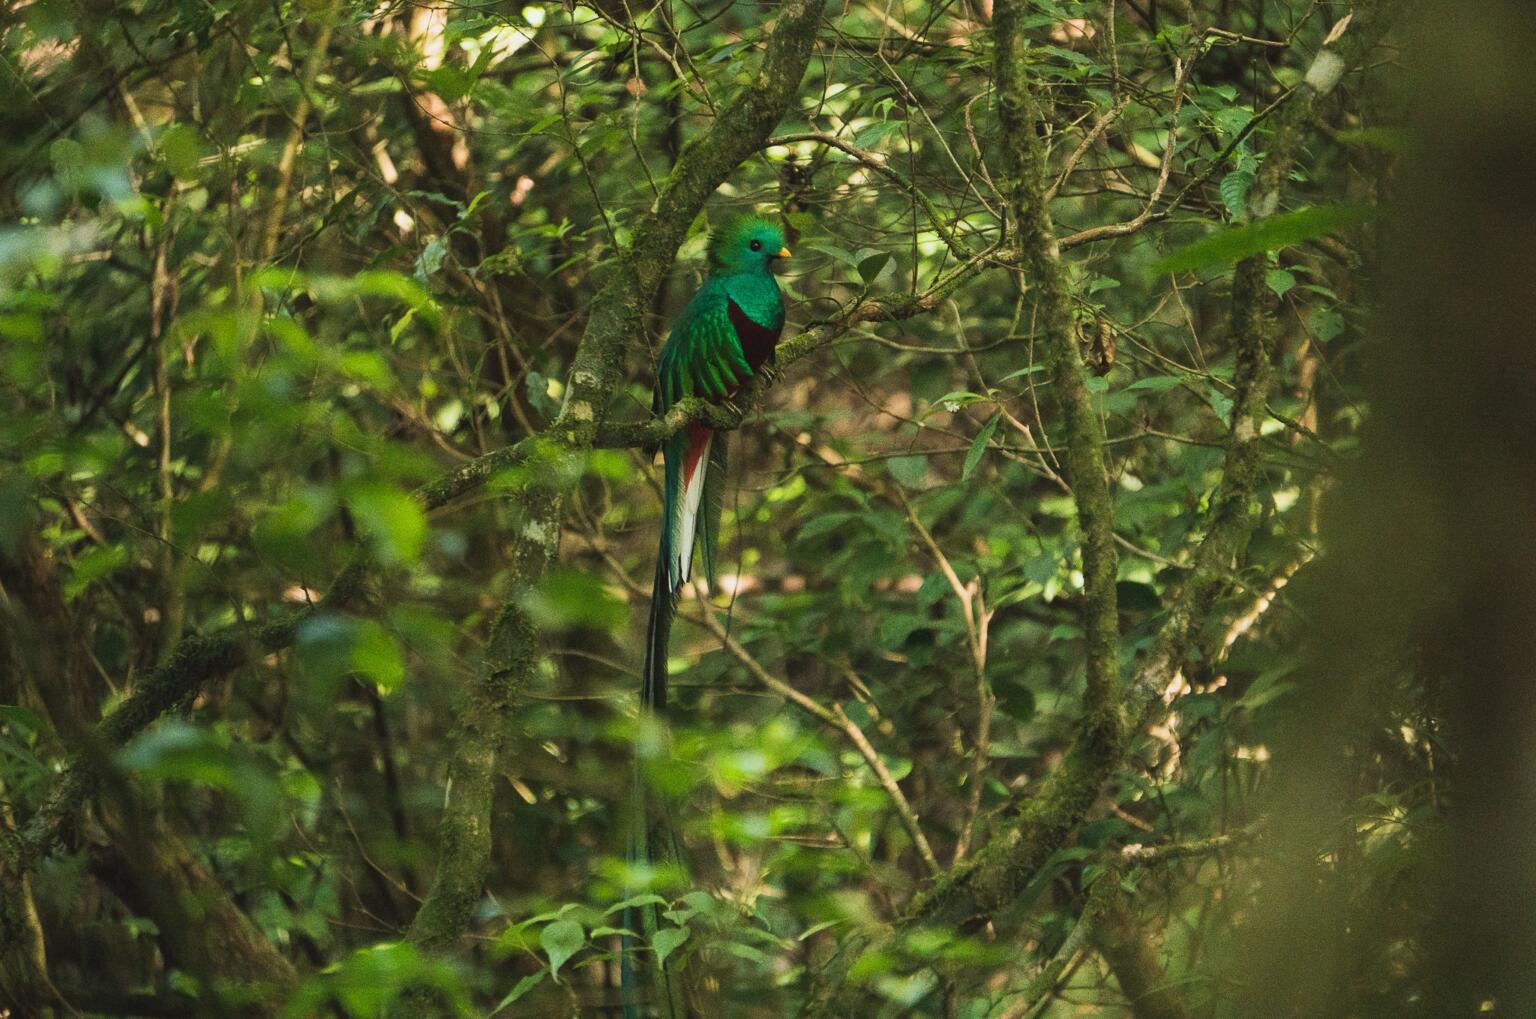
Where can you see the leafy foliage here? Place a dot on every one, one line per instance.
(269, 272)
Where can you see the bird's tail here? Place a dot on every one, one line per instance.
(650, 836)
(695, 470)
(695, 474)
(653, 674)
(650, 843)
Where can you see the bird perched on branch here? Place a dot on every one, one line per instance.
(720, 342)
(723, 338)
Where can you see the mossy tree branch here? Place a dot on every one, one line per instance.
(1042, 826)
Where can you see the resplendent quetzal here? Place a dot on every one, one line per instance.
(719, 342)
(725, 335)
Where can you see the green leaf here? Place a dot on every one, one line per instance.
(1326, 324)
(1234, 193)
(953, 401)
(567, 599)
(648, 899)
(668, 940)
(1267, 687)
(431, 258)
(1233, 119)
(979, 446)
(907, 990)
(1157, 383)
(562, 939)
(1387, 139)
(909, 470)
(1269, 234)
(824, 523)
(92, 566)
(1279, 281)
(1030, 370)
(331, 647)
(869, 268)
(376, 655)
(21, 718)
(392, 519)
(177, 750)
(841, 254)
(817, 928)
(521, 988)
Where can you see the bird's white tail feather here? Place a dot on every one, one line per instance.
(688, 521)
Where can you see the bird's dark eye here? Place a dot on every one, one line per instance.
(756, 245)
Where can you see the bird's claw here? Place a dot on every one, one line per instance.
(732, 410)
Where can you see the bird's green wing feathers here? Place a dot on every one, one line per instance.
(702, 357)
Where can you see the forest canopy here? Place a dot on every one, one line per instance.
(1121, 603)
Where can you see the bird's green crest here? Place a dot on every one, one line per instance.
(745, 243)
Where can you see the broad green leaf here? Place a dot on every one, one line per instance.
(1279, 281)
(431, 258)
(824, 523)
(376, 655)
(953, 401)
(177, 750)
(392, 519)
(668, 940)
(841, 254)
(566, 599)
(1387, 139)
(906, 991)
(1233, 119)
(331, 647)
(817, 928)
(869, 268)
(1269, 234)
(562, 939)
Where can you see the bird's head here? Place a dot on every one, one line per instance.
(746, 244)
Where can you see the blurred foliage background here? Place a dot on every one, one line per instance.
(267, 270)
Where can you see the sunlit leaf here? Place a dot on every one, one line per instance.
(392, 519)
(1269, 234)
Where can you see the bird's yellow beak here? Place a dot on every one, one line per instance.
(783, 253)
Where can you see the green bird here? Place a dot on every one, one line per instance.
(725, 335)
(722, 339)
